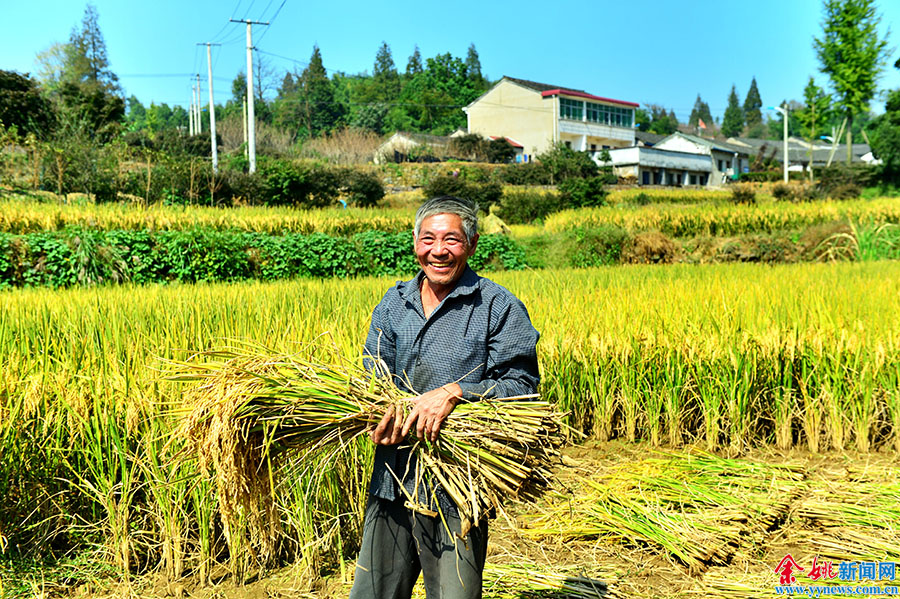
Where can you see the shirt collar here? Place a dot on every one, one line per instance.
(466, 285)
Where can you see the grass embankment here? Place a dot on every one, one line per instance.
(730, 357)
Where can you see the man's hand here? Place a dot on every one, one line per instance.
(388, 430)
(430, 410)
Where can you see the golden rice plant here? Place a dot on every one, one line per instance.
(248, 406)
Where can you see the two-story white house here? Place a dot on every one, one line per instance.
(538, 115)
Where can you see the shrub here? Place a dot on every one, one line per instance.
(650, 248)
(845, 191)
(596, 246)
(642, 199)
(525, 206)
(564, 163)
(528, 173)
(783, 191)
(743, 194)
(577, 193)
(484, 194)
(361, 188)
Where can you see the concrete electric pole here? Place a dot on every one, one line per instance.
(251, 117)
(199, 120)
(212, 108)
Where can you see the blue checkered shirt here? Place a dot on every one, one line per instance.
(479, 336)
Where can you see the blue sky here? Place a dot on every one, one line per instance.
(646, 51)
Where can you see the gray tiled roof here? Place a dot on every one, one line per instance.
(541, 87)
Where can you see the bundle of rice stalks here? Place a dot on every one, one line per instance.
(249, 408)
(696, 508)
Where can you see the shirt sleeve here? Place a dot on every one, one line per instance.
(512, 366)
(380, 342)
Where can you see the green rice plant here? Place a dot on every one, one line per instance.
(599, 392)
(103, 469)
(710, 397)
(811, 403)
(785, 397)
(738, 390)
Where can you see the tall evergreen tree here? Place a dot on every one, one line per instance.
(700, 112)
(733, 120)
(385, 78)
(86, 58)
(752, 105)
(414, 65)
(812, 116)
(321, 112)
(473, 68)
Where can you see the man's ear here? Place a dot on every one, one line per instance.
(473, 245)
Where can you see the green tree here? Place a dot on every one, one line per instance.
(662, 122)
(414, 65)
(733, 120)
(473, 69)
(752, 105)
(884, 135)
(852, 55)
(700, 112)
(814, 113)
(86, 58)
(22, 105)
(642, 119)
(320, 112)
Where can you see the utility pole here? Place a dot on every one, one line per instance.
(191, 113)
(197, 104)
(251, 117)
(244, 122)
(212, 108)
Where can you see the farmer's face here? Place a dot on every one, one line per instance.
(442, 250)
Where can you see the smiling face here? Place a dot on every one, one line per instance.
(443, 251)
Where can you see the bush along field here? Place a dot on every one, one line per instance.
(730, 357)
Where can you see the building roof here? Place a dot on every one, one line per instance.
(647, 138)
(715, 144)
(538, 87)
(547, 90)
(509, 140)
(422, 138)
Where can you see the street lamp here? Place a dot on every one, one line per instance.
(784, 113)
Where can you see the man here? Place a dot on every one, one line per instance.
(448, 335)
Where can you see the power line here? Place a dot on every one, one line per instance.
(272, 19)
(252, 2)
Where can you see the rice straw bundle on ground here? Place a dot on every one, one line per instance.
(249, 406)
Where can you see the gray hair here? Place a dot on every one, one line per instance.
(466, 210)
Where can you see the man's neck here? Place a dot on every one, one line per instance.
(433, 295)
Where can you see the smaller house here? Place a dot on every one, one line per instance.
(727, 159)
(403, 146)
(654, 166)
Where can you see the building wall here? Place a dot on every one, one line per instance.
(511, 110)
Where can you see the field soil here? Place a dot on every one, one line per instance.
(808, 520)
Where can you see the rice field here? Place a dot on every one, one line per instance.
(729, 359)
(718, 218)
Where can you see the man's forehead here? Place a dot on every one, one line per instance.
(444, 221)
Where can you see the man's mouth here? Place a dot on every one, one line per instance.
(440, 264)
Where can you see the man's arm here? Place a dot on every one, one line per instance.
(380, 355)
(512, 370)
(512, 366)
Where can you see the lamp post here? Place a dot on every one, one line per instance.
(784, 113)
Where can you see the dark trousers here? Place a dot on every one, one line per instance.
(399, 543)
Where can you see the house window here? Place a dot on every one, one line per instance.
(570, 109)
(702, 179)
(693, 179)
(645, 178)
(605, 147)
(569, 144)
(609, 115)
(594, 147)
(721, 165)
